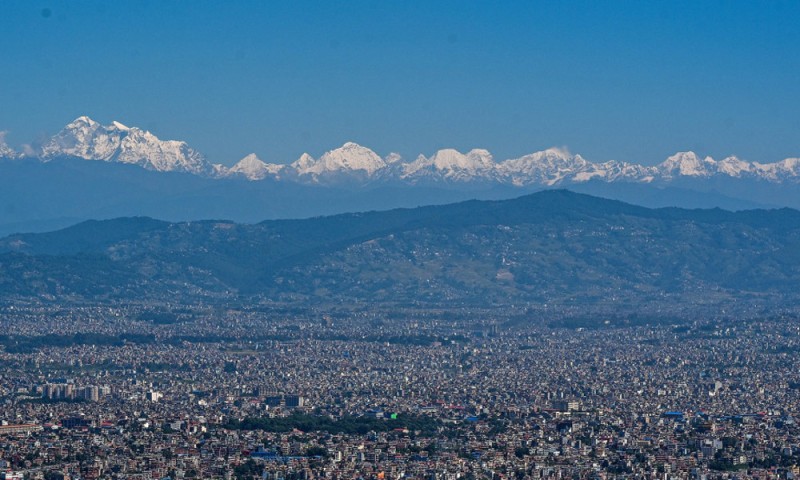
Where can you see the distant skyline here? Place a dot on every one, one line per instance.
(625, 80)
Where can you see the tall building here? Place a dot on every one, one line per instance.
(567, 405)
(293, 401)
(91, 393)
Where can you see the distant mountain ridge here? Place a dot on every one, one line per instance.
(550, 250)
(351, 163)
(93, 171)
(84, 138)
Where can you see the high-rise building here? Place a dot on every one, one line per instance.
(293, 401)
(91, 393)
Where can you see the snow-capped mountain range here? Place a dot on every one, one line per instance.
(87, 139)
(352, 163)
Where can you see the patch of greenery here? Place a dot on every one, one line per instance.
(347, 425)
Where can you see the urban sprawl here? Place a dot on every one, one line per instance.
(139, 392)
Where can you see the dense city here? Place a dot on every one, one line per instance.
(132, 392)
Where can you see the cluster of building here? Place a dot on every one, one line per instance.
(450, 398)
(69, 391)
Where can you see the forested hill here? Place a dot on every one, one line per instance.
(553, 247)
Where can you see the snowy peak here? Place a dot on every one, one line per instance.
(5, 150)
(88, 139)
(115, 124)
(81, 122)
(547, 167)
(352, 156)
(789, 165)
(250, 162)
(553, 155)
(303, 163)
(734, 167)
(551, 159)
(448, 159)
(351, 159)
(787, 169)
(253, 168)
(687, 164)
(451, 165)
(355, 164)
(83, 138)
(393, 158)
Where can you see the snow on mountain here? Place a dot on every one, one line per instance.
(5, 150)
(353, 163)
(450, 165)
(303, 164)
(253, 168)
(785, 170)
(393, 159)
(687, 164)
(87, 139)
(612, 171)
(219, 171)
(82, 138)
(734, 167)
(548, 167)
(349, 160)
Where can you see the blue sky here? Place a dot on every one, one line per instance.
(634, 81)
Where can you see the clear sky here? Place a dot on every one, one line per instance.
(626, 80)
